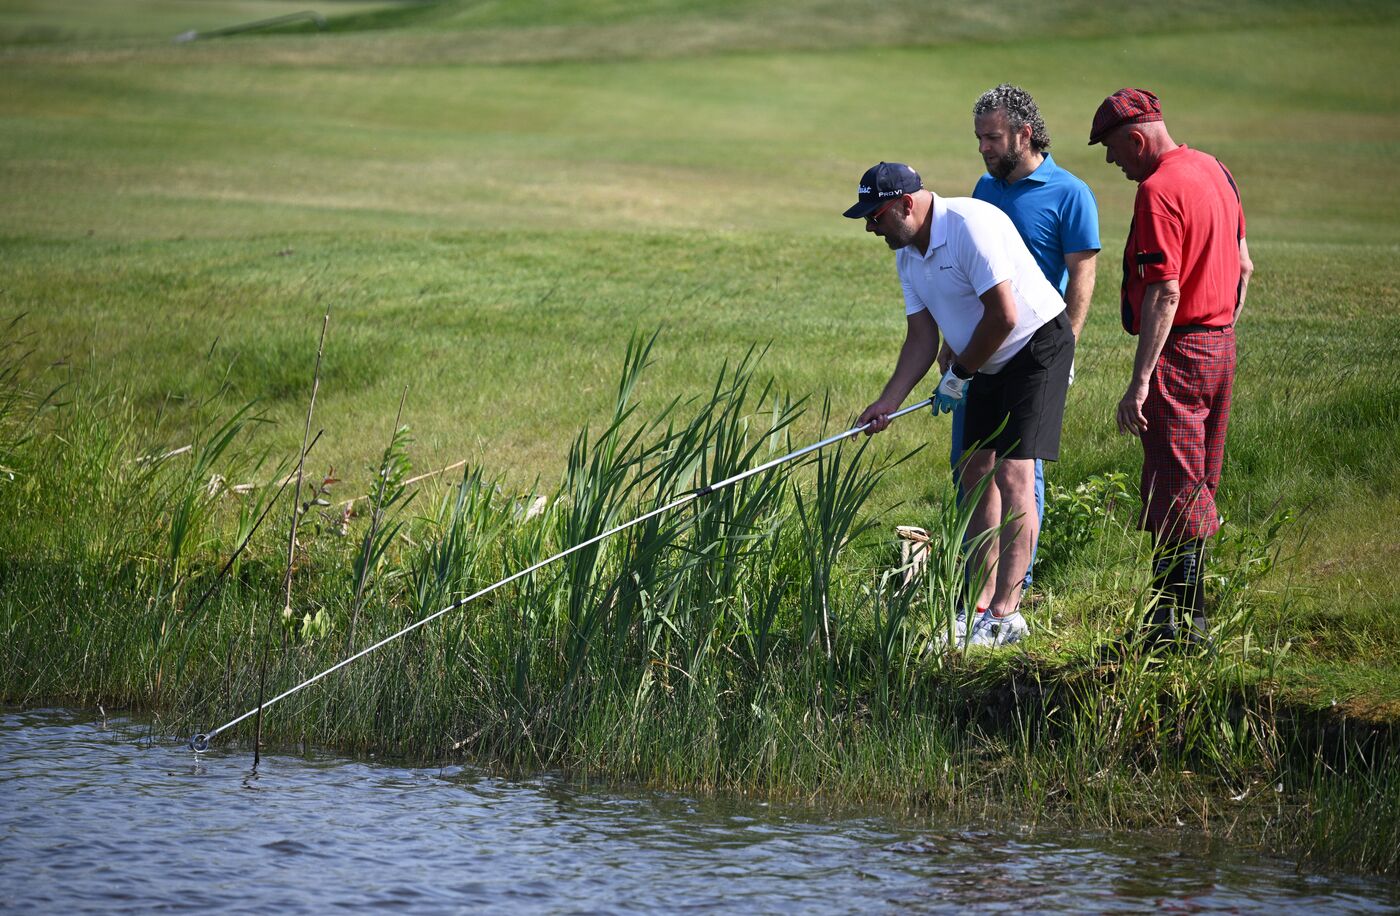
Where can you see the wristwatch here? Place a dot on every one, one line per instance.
(962, 371)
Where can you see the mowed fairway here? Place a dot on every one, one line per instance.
(490, 209)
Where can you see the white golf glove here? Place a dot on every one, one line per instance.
(951, 391)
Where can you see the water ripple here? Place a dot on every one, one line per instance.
(98, 816)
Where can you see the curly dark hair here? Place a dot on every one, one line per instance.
(1020, 110)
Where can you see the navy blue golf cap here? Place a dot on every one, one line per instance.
(882, 183)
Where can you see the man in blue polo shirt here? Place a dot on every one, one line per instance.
(1054, 212)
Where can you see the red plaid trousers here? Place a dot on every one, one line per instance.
(1187, 410)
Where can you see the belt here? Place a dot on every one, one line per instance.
(1198, 329)
(1061, 320)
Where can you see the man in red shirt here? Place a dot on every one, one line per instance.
(1185, 270)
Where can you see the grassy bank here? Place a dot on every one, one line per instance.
(761, 639)
(490, 212)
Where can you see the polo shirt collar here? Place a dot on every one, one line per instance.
(1181, 148)
(938, 232)
(1042, 174)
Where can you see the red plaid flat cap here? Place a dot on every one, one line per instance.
(1126, 106)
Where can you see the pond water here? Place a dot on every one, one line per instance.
(95, 815)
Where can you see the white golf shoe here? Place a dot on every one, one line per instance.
(991, 630)
(940, 639)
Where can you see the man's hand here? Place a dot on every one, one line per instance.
(877, 415)
(945, 357)
(951, 391)
(1130, 416)
(1159, 303)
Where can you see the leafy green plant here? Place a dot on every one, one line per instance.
(1242, 556)
(387, 502)
(1076, 516)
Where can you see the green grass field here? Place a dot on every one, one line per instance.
(490, 199)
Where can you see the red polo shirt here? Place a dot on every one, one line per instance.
(1187, 226)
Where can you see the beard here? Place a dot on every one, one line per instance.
(1002, 166)
(899, 237)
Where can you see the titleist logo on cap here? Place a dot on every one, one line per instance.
(882, 182)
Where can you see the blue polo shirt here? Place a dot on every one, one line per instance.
(1054, 211)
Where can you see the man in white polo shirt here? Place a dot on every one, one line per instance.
(968, 275)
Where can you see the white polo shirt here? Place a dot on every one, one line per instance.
(973, 246)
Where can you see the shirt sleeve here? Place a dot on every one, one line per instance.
(1079, 222)
(913, 302)
(1157, 238)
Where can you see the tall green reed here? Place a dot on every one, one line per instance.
(386, 504)
(191, 491)
(1342, 804)
(831, 516)
(22, 400)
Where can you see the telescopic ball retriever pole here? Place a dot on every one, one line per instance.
(200, 742)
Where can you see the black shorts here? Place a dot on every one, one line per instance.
(1028, 394)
